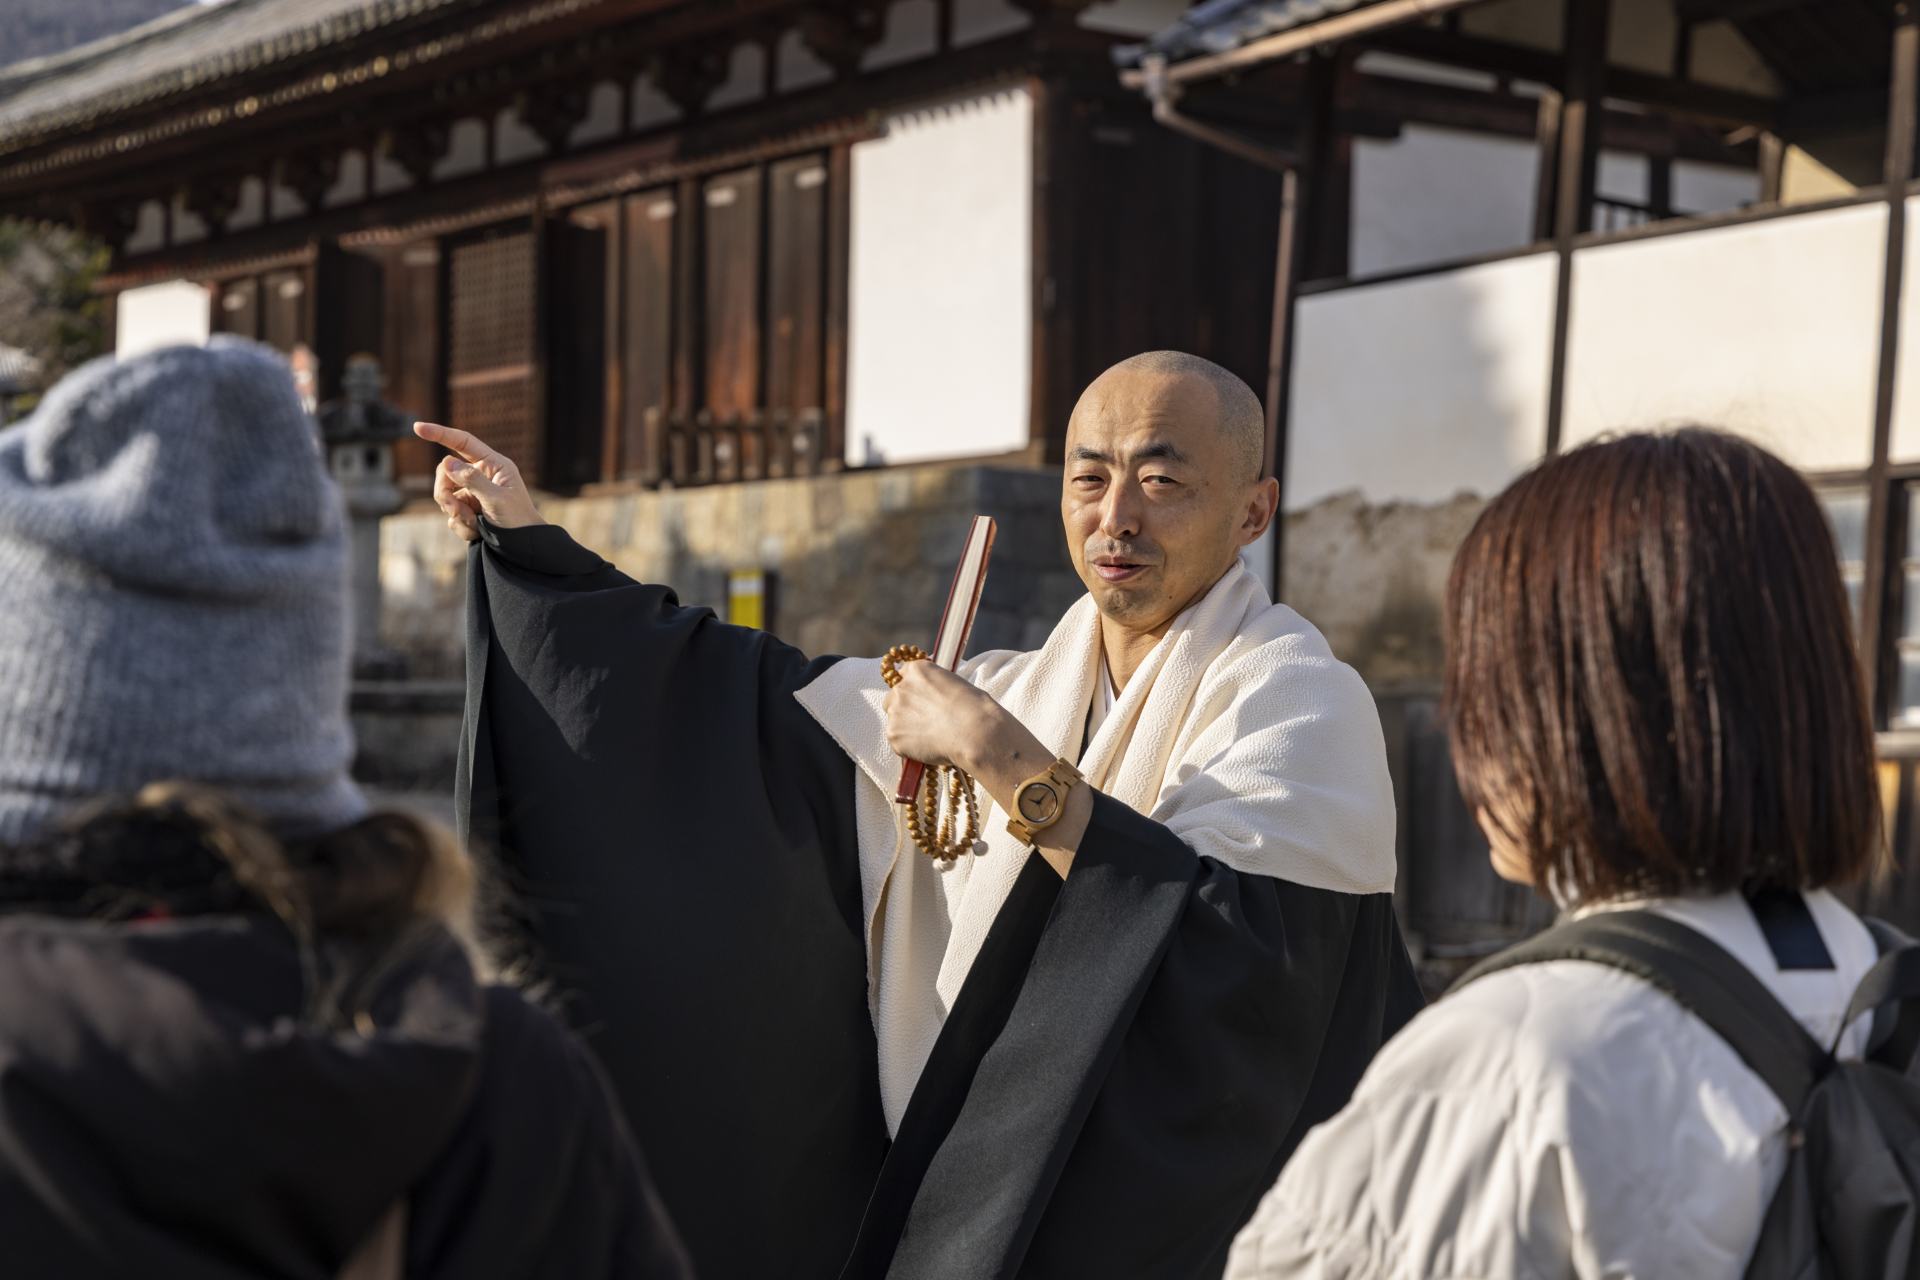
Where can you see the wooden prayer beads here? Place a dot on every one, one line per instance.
(946, 793)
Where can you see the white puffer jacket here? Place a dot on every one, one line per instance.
(1555, 1121)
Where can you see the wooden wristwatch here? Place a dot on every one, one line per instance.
(1041, 800)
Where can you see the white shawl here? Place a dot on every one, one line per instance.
(1241, 732)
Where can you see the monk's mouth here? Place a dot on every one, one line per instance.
(1119, 570)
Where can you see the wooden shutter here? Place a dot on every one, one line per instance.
(584, 319)
(796, 305)
(411, 350)
(237, 308)
(490, 346)
(731, 318)
(650, 218)
(286, 310)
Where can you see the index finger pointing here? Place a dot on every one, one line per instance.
(467, 445)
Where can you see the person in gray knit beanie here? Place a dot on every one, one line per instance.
(173, 595)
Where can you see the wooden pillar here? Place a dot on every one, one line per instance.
(1577, 167)
(830, 451)
(678, 449)
(1901, 133)
(1300, 217)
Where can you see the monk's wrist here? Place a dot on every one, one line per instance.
(1006, 754)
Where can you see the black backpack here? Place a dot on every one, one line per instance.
(1847, 1207)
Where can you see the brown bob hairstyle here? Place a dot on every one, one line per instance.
(1651, 683)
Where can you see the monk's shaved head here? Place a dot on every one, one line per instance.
(1162, 487)
(1239, 416)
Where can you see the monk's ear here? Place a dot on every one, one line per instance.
(1262, 504)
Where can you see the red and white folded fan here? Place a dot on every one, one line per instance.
(956, 626)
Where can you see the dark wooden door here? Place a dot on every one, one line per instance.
(731, 320)
(410, 349)
(491, 389)
(796, 310)
(651, 219)
(286, 310)
(582, 331)
(236, 307)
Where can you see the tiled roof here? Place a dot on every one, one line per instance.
(1217, 26)
(195, 46)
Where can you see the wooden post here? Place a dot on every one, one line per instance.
(689, 326)
(1286, 300)
(1901, 132)
(830, 438)
(1292, 255)
(1578, 167)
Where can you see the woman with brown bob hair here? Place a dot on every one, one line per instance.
(1654, 702)
(244, 1031)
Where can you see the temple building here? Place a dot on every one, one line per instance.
(1606, 215)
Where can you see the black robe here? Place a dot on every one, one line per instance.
(1133, 1055)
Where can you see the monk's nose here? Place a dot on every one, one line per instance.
(1120, 514)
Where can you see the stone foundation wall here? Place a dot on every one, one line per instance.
(860, 560)
(1372, 577)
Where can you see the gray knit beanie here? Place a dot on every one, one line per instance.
(173, 597)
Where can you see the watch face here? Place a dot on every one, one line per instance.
(1038, 802)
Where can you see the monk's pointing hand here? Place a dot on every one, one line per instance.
(477, 481)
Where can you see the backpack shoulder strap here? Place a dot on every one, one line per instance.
(1891, 991)
(1696, 973)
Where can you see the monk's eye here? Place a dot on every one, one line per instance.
(1088, 481)
(1159, 481)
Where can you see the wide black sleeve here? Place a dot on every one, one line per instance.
(543, 1181)
(680, 833)
(1177, 1028)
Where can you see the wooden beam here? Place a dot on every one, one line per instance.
(1577, 172)
(1899, 168)
(1522, 62)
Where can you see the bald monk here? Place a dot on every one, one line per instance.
(1082, 1051)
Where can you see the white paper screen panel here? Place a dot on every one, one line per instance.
(1769, 329)
(1416, 390)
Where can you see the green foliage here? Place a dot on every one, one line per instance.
(48, 306)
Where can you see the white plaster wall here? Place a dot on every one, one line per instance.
(1537, 23)
(1133, 17)
(1722, 57)
(282, 202)
(651, 107)
(978, 20)
(1905, 445)
(798, 67)
(1770, 329)
(161, 315)
(912, 31)
(513, 141)
(1713, 188)
(940, 292)
(1433, 195)
(251, 211)
(1640, 35)
(149, 228)
(389, 176)
(188, 226)
(351, 185)
(1416, 390)
(603, 116)
(746, 78)
(466, 150)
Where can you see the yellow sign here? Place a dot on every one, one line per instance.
(747, 598)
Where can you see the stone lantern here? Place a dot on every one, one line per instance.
(358, 431)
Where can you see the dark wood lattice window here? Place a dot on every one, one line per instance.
(732, 329)
(649, 219)
(490, 346)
